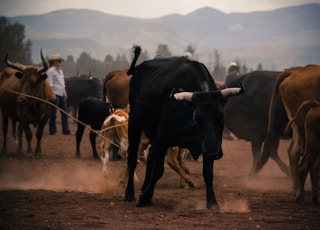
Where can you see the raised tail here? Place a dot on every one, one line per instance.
(137, 51)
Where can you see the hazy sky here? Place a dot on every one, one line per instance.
(142, 8)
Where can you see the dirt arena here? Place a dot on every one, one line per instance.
(59, 191)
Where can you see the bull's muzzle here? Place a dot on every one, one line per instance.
(24, 100)
(215, 155)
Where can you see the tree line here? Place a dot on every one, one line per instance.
(13, 41)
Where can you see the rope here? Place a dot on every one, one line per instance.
(98, 132)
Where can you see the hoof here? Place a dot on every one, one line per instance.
(129, 198)
(213, 207)
(143, 204)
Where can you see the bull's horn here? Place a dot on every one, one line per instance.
(183, 96)
(44, 62)
(16, 66)
(232, 91)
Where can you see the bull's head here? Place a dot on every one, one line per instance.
(208, 117)
(31, 77)
(21, 68)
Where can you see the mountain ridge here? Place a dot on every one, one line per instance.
(206, 28)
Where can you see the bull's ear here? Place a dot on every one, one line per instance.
(19, 75)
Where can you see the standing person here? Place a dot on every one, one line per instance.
(57, 83)
(232, 72)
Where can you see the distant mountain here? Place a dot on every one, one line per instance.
(278, 39)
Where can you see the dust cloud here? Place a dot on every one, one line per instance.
(235, 206)
(69, 175)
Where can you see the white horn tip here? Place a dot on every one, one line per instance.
(183, 96)
(230, 92)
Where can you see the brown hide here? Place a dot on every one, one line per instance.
(116, 88)
(307, 122)
(295, 86)
(20, 108)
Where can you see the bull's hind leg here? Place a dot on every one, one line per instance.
(256, 149)
(93, 138)
(294, 156)
(79, 133)
(134, 134)
(176, 161)
(314, 175)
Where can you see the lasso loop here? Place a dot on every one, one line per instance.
(97, 132)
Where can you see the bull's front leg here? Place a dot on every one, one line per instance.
(155, 169)
(20, 131)
(208, 179)
(39, 134)
(29, 139)
(5, 121)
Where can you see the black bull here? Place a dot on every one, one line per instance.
(191, 119)
(247, 116)
(81, 87)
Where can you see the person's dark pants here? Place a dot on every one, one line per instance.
(61, 103)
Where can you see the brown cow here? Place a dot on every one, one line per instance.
(116, 88)
(295, 85)
(29, 80)
(115, 129)
(307, 121)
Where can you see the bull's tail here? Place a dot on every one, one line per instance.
(302, 112)
(137, 51)
(275, 94)
(269, 140)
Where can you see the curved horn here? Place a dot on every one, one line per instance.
(183, 96)
(44, 62)
(16, 66)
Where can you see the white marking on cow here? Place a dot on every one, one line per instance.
(117, 117)
(104, 159)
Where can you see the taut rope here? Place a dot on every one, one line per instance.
(98, 132)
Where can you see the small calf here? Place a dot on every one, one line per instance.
(92, 112)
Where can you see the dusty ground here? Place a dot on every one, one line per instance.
(62, 192)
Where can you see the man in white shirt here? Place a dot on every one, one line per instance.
(57, 83)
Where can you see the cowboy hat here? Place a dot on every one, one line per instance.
(56, 57)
